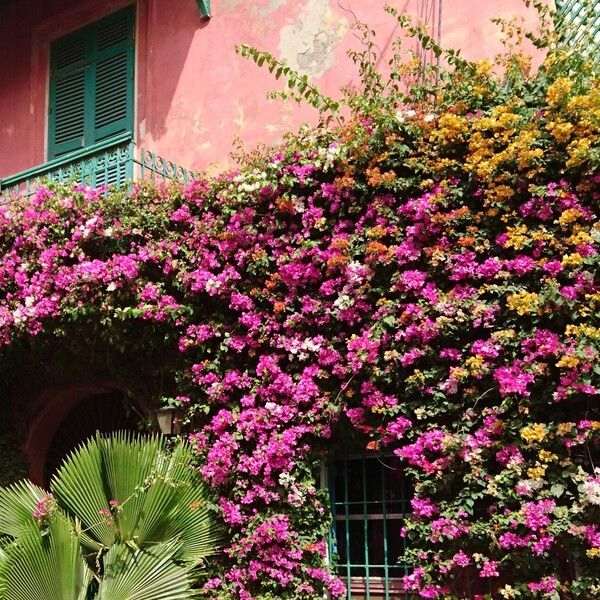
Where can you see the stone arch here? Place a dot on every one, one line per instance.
(51, 409)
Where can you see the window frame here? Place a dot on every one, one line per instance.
(366, 586)
(93, 135)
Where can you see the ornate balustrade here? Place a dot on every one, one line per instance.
(114, 162)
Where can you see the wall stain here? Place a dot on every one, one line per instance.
(309, 43)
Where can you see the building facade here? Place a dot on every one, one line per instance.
(188, 96)
(105, 92)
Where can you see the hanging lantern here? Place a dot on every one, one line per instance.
(169, 420)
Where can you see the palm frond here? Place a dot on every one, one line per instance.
(45, 564)
(148, 574)
(105, 469)
(17, 504)
(177, 506)
(161, 496)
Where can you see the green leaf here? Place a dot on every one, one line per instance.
(17, 504)
(150, 574)
(48, 567)
(160, 495)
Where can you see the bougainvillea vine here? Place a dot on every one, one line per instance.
(427, 275)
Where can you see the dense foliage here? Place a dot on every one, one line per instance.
(13, 465)
(426, 271)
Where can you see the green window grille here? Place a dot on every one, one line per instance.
(370, 497)
(91, 84)
(578, 22)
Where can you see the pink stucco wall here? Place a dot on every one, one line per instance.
(194, 96)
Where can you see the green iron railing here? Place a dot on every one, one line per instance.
(369, 500)
(578, 22)
(114, 162)
(154, 168)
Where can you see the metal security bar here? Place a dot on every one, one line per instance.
(369, 499)
(578, 23)
(113, 162)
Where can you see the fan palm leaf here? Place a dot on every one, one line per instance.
(149, 574)
(46, 563)
(160, 495)
(125, 509)
(17, 504)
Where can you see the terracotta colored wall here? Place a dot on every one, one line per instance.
(194, 95)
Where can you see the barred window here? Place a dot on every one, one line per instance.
(370, 497)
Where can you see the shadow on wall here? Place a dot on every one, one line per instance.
(168, 43)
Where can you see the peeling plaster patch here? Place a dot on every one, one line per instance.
(199, 125)
(308, 45)
(185, 118)
(270, 7)
(272, 128)
(226, 5)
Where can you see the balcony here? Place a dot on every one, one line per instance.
(114, 162)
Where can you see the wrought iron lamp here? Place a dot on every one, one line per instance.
(169, 420)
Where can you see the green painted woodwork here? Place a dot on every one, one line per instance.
(369, 501)
(204, 8)
(91, 84)
(114, 161)
(578, 21)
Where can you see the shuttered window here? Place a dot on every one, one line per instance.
(91, 84)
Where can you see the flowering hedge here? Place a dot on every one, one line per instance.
(428, 275)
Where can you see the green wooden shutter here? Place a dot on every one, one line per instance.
(91, 85)
(113, 76)
(67, 94)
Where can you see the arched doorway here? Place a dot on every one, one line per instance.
(63, 417)
(104, 412)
